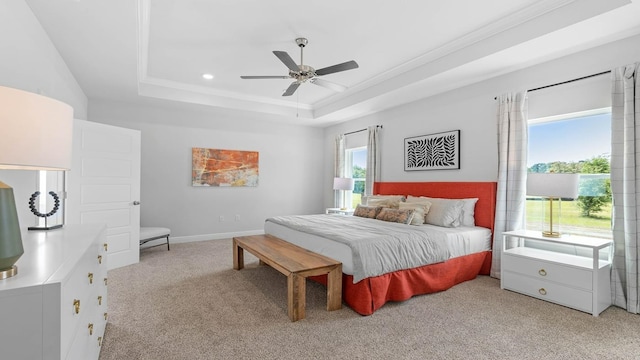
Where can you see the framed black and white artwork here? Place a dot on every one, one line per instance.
(439, 151)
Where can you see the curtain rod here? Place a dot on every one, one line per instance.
(361, 130)
(566, 82)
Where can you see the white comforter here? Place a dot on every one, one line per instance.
(378, 247)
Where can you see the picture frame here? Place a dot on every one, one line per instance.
(224, 168)
(439, 151)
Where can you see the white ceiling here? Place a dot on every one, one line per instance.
(134, 50)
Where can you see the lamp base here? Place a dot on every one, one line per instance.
(553, 234)
(44, 227)
(7, 273)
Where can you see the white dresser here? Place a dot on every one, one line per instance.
(573, 271)
(56, 306)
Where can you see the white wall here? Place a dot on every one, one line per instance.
(290, 165)
(29, 61)
(472, 109)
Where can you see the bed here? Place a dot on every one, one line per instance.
(469, 247)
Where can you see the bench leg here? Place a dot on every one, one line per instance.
(334, 289)
(238, 256)
(296, 296)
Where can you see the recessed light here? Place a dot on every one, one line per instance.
(207, 76)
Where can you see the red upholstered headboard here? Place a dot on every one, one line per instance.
(485, 192)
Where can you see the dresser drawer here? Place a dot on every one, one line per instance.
(81, 288)
(549, 291)
(544, 270)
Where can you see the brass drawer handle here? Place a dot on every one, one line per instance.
(100, 300)
(106, 247)
(90, 329)
(542, 272)
(99, 341)
(105, 281)
(542, 291)
(76, 305)
(99, 259)
(105, 316)
(90, 278)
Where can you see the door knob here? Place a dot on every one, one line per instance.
(136, 202)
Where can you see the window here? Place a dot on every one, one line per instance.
(574, 143)
(356, 168)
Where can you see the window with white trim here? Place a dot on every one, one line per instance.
(577, 142)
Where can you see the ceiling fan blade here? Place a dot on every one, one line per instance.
(287, 60)
(264, 77)
(328, 84)
(337, 68)
(291, 89)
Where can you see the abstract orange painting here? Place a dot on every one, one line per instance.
(216, 167)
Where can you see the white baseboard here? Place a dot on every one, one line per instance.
(218, 236)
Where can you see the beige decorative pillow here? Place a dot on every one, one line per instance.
(395, 215)
(391, 201)
(420, 211)
(367, 211)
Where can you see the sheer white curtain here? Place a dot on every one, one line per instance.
(373, 159)
(512, 170)
(339, 167)
(625, 186)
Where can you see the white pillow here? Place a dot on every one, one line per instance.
(468, 212)
(443, 212)
(467, 215)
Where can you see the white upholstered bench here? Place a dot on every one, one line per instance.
(154, 233)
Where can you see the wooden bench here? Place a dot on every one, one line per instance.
(296, 264)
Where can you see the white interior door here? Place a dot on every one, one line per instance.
(104, 186)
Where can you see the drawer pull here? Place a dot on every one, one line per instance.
(106, 247)
(542, 272)
(99, 341)
(105, 316)
(90, 329)
(76, 305)
(100, 300)
(90, 278)
(105, 281)
(542, 291)
(99, 259)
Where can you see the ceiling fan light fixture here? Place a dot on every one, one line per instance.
(207, 76)
(302, 73)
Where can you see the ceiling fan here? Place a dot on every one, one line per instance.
(301, 73)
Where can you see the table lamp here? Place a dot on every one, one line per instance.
(343, 184)
(552, 186)
(35, 134)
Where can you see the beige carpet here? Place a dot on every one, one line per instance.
(188, 303)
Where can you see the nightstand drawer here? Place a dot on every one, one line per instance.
(549, 291)
(547, 271)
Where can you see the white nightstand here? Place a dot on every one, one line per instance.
(339, 211)
(579, 280)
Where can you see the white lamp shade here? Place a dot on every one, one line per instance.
(553, 185)
(35, 131)
(342, 183)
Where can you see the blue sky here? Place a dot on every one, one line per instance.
(570, 140)
(360, 158)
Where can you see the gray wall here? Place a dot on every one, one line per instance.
(290, 179)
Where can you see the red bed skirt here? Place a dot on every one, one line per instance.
(368, 295)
